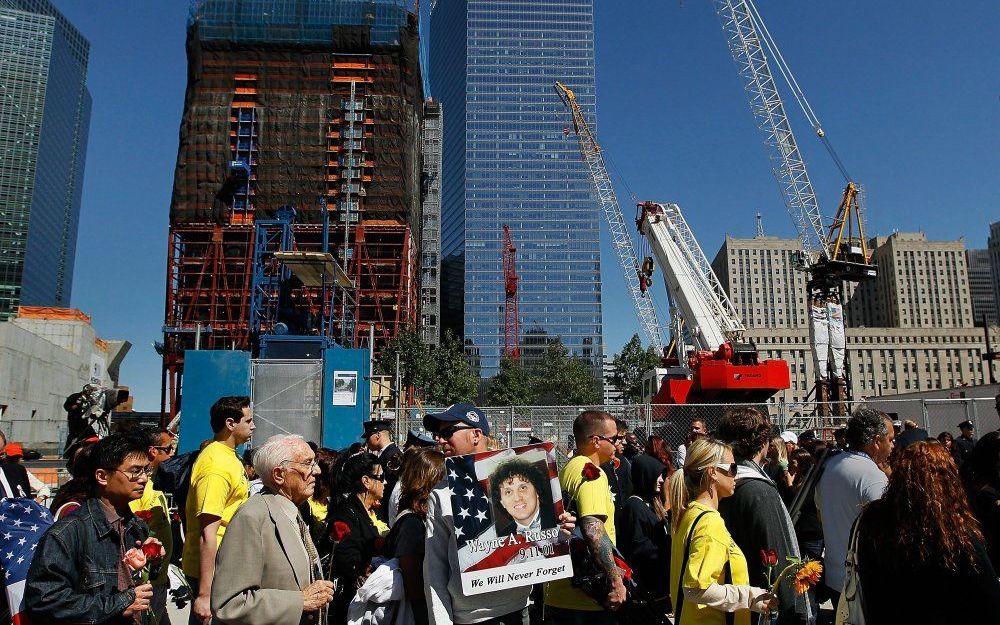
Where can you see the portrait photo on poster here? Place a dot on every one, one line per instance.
(505, 509)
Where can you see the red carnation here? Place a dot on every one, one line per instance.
(339, 531)
(145, 515)
(769, 557)
(153, 550)
(590, 472)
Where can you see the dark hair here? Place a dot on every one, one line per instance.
(924, 516)
(621, 424)
(349, 473)
(111, 451)
(746, 430)
(587, 423)
(225, 408)
(326, 459)
(864, 425)
(422, 469)
(804, 461)
(80, 465)
(658, 448)
(529, 471)
(945, 436)
(248, 456)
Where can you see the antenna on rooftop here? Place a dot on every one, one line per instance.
(760, 226)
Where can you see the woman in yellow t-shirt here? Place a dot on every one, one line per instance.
(708, 573)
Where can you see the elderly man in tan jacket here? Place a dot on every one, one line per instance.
(267, 570)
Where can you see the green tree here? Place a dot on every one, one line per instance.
(563, 380)
(414, 359)
(512, 386)
(449, 378)
(629, 366)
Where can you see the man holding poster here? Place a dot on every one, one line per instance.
(462, 430)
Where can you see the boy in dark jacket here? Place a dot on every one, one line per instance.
(755, 515)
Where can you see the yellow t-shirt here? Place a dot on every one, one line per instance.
(318, 510)
(155, 502)
(218, 487)
(586, 498)
(711, 548)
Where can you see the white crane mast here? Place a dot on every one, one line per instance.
(708, 313)
(744, 33)
(617, 228)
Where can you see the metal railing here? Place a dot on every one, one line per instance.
(514, 425)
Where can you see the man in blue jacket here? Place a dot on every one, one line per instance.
(78, 573)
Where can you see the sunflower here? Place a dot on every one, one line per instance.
(807, 576)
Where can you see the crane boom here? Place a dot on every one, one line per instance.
(708, 313)
(789, 168)
(620, 238)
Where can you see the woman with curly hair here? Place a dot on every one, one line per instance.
(922, 535)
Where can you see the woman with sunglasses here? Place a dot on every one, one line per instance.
(709, 576)
(359, 484)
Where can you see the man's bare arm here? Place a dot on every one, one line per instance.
(592, 528)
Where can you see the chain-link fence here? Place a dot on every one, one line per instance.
(514, 425)
(287, 398)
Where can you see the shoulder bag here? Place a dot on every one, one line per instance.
(679, 601)
(851, 607)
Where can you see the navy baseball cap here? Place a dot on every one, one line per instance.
(458, 413)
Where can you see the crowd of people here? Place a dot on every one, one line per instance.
(292, 532)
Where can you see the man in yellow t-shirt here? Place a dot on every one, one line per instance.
(153, 508)
(587, 493)
(219, 487)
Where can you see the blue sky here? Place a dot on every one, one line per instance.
(906, 92)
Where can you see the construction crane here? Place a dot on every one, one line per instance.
(713, 363)
(511, 322)
(831, 254)
(636, 280)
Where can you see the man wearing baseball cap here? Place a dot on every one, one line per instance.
(462, 429)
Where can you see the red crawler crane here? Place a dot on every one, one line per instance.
(511, 325)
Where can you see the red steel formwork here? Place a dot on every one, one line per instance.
(335, 123)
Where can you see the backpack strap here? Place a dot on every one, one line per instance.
(684, 563)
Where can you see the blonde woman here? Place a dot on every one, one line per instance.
(708, 572)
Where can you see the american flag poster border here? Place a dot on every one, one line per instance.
(505, 510)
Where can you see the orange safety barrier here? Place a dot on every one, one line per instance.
(51, 312)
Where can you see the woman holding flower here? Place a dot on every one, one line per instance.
(709, 575)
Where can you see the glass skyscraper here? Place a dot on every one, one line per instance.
(510, 157)
(44, 120)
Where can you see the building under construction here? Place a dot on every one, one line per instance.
(311, 105)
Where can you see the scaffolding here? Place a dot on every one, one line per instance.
(331, 130)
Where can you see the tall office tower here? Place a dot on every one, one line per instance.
(509, 158)
(430, 233)
(309, 105)
(984, 305)
(44, 120)
(993, 249)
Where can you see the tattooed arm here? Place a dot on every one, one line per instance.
(592, 528)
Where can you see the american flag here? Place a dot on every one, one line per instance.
(22, 523)
(472, 513)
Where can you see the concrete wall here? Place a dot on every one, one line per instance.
(41, 363)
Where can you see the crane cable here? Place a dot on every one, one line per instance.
(793, 85)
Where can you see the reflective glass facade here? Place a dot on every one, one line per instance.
(44, 120)
(509, 160)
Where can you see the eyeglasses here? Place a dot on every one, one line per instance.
(446, 433)
(612, 440)
(136, 474)
(380, 478)
(312, 465)
(167, 449)
(728, 469)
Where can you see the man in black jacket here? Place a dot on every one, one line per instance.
(755, 515)
(378, 439)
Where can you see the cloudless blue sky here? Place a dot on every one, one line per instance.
(907, 92)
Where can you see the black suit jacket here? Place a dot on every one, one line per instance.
(16, 477)
(386, 460)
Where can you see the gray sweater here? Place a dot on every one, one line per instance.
(446, 604)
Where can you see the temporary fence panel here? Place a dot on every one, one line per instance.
(287, 398)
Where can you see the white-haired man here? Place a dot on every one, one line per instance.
(267, 571)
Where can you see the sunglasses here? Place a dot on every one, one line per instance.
(448, 432)
(612, 440)
(378, 478)
(167, 449)
(728, 469)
